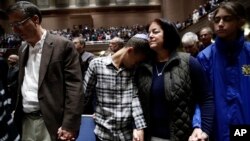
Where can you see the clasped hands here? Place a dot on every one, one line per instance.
(138, 135)
(66, 135)
(198, 135)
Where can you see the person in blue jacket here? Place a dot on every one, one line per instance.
(227, 64)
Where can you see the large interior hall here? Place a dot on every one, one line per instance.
(74, 17)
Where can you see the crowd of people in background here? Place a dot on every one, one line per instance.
(106, 33)
(198, 13)
(86, 32)
(143, 88)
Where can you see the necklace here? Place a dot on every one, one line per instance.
(160, 73)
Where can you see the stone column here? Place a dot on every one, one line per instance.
(122, 2)
(52, 3)
(154, 2)
(102, 2)
(82, 3)
(112, 2)
(72, 3)
(92, 3)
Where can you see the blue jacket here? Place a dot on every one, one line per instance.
(227, 65)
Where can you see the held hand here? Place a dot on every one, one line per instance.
(66, 135)
(138, 135)
(198, 135)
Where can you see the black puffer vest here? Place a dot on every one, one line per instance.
(178, 93)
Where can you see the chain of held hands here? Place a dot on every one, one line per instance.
(66, 135)
(138, 135)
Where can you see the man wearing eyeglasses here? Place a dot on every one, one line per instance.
(205, 37)
(50, 81)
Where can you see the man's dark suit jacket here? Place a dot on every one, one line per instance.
(60, 92)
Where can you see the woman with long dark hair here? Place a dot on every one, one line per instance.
(170, 86)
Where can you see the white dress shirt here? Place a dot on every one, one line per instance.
(29, 87)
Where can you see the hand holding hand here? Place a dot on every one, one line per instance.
(198, 135)
(65, 135)
(138, 135)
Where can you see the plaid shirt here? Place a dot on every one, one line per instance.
(118, 108)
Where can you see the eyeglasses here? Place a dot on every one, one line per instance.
(228, 18)
(18, 24)
(76, 42)
(204, 35)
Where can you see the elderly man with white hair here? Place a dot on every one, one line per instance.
(190, 43)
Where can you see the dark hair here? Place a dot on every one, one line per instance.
(140, 45)
(81, 41)
(234, 8)
(171, 36)
(28, 9)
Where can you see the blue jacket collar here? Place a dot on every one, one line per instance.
(233, 47)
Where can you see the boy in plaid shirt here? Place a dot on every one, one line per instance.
(118, 112)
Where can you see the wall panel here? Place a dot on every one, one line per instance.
(63, 22)
(123, 19)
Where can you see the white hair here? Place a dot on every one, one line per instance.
(189, 38)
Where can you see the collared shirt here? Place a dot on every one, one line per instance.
(87, 56)
(117, 104)
(30, 82)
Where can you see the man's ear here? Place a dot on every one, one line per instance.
(35, 19)
(130, 49)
